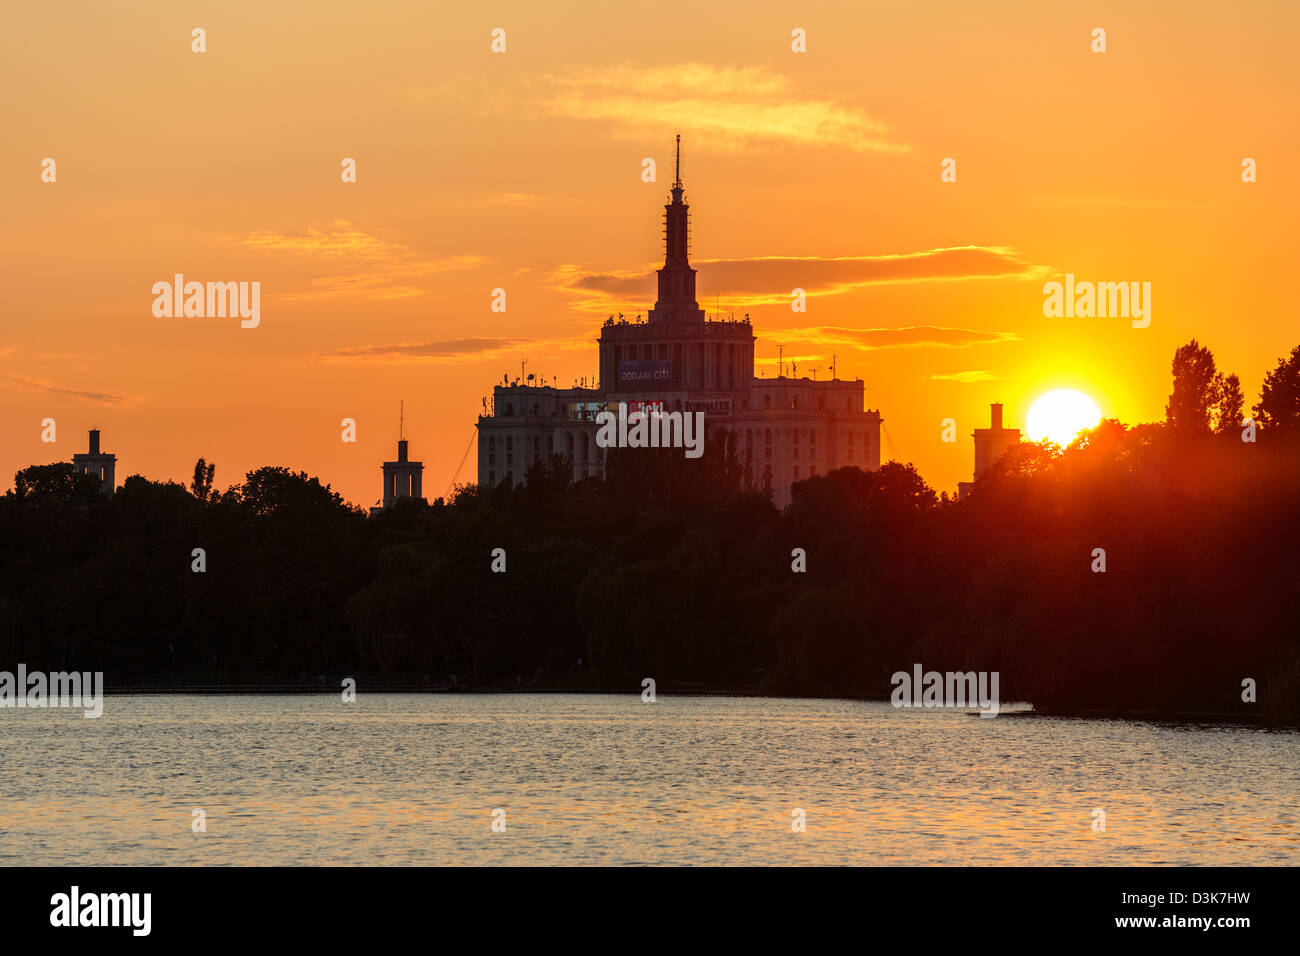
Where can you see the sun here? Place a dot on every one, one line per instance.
(1060, 415)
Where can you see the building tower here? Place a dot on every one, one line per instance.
(990, 444)
(94, 462)
(402, 478)
(677, 279)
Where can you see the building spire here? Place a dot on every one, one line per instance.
(676, 279)
(401, 420)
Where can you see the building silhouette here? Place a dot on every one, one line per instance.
(403, 478)
(678, 360)
(100, 464)
(990, 444)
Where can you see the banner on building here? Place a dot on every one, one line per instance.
(645, 373)
(712, 406)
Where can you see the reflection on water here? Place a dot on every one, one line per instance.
(408, 779)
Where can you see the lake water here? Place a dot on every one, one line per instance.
(414, 779)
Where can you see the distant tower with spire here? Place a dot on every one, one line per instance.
(402, 478)
(682, 363)
(676, 301)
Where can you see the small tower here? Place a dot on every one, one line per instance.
(990, 444)
(402, 478)
(94, 462)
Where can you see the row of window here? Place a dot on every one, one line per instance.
(821, 402)
(794, 443)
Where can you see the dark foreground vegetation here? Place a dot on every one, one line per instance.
(671, 569)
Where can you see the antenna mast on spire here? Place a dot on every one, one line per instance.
(401, 420)
(678, 182)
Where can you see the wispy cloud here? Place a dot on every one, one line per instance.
(769, 280)
(731, 108)
(1144, 202)
(112, 399)
(914, 336)
(964, 377)
(449, 349)
(386, 270)
(522, 200)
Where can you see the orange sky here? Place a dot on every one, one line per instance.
(522, 170)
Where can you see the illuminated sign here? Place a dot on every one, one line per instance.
(712, 406)
(645, 373)
(649, 408)
(585, 411)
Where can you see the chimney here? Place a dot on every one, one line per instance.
(996, 410)
(94, 441)
(401, 450)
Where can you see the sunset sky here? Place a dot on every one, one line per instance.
(522, 170)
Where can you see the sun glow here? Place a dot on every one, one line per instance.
(1059, 415)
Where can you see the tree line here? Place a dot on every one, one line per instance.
(671, 568)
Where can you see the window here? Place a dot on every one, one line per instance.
(796, 443)
(767, 401)
(796, 472)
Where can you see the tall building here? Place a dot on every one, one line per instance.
(990, 445)
(679, 360)
(100, 464)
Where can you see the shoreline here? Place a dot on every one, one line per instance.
(1063, 713)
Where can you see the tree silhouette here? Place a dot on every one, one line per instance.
(676, 569)
(1279, 397)
(1231, 403)
(201, 485)
(1196, 390)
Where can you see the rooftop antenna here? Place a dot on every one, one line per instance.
(780, 356)
(677, 184)
(833, 357)
(401, 420)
